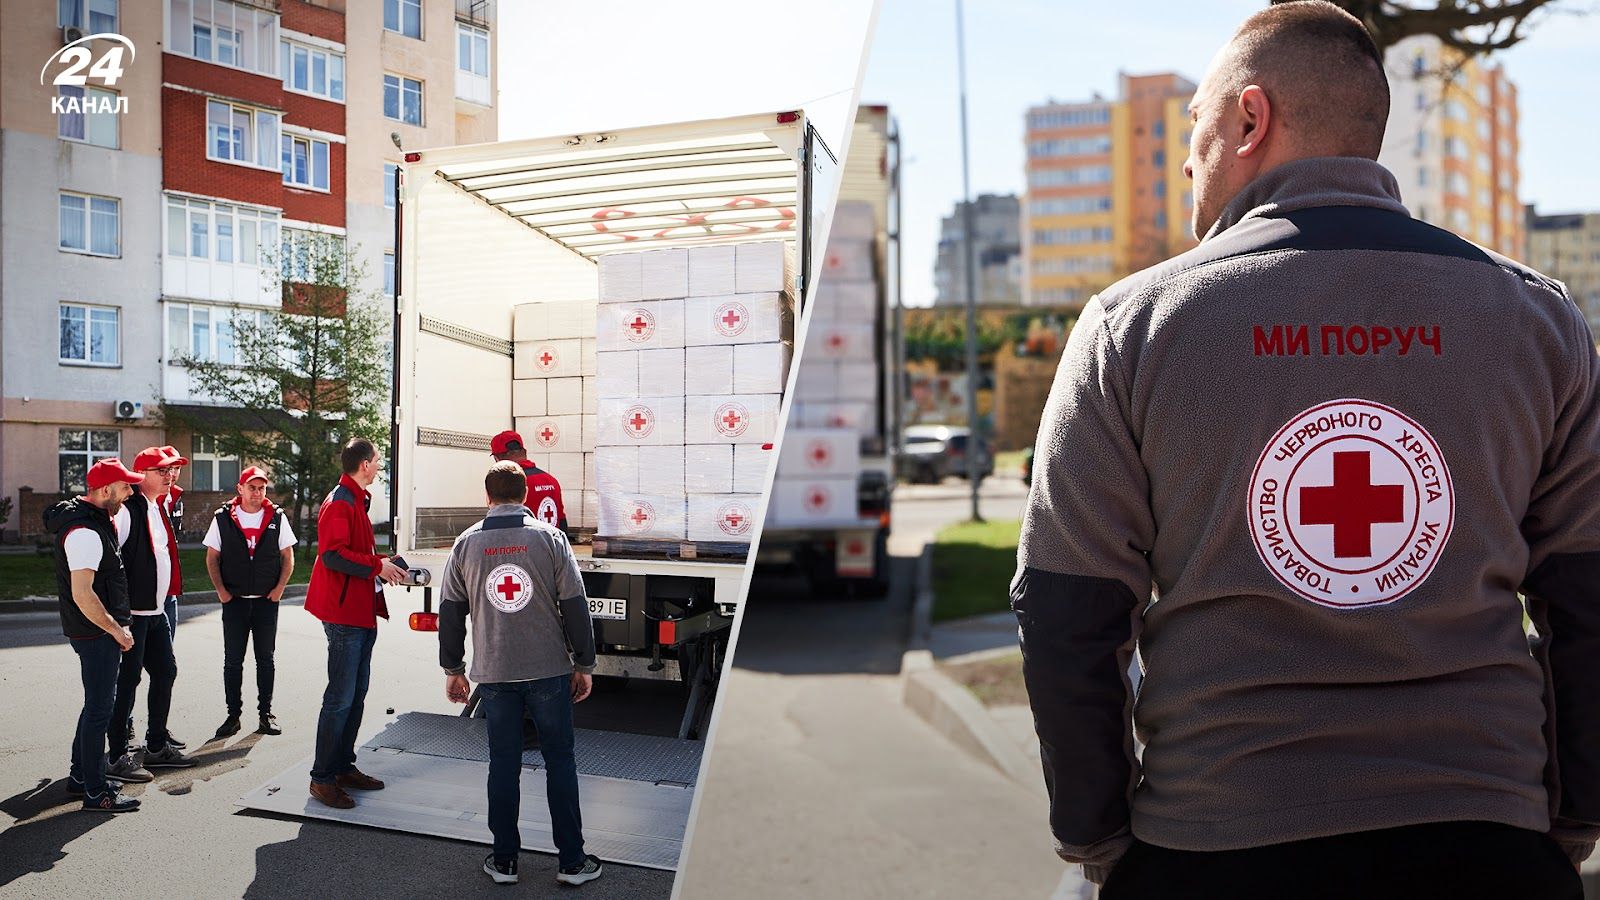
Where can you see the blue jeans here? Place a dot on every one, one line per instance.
(99, 661)
(152, 652)
(349, 670)
(549, 702)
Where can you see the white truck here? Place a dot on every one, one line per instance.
(488, 227)
(829, 516)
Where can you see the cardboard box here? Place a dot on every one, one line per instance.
(708, 468)
(708, 370)
(651, 325)
(528, 397)
(621, 278)
(590, 471)
(723, 517)
(565, 396)
(570, 319)
(731, 419)
(817, 382)
(848, 261)
(840, 341)
(586, 351)
(616, 374)
(750, 464)
(567, 468)
(642, 421)
(530, 322)
(547, 359)
(661, 372)
(761, 267)
(856, 381)
(643, 516)
(711, 271)
(590, 432)
(845, 301)
(853, 220)
(661, 469)
(810, 452)
(813, 501)
(591, 395)
(857, 416)
(760, 368)
(666, 274)
(616, 469)
(737, 319)
(591, 509)
(551, 434)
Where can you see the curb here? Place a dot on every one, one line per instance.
(950, 708)
(51, 604)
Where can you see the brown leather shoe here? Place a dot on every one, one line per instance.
(357, 780)
(332, 795)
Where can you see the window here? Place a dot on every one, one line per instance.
(1158, 158)
(1048, 236)
(472, 64)
(1159, 129)
(207, 333)
(1161, 218)
(91, 116)
(80, 448)
(1069, 118)
(1068, 206)
(403, 17)
(301, 252)
(1455, 110)
(241, 134)
(90, 224)
(1071, 265)
(1071, 146)
(1422, 177)
(308, 70)
(390, 176)
(1074, 175)
(305, 162)
(209, 468)
(388, 273)
(402, 99)
(239, 237)
(224, 33)
(1455, 147)
(93, 16)
(1422, 101)
(89, 335)
(1161, 187)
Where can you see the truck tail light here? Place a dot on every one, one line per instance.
(421, 621)
(667, 632)
(786, 118)
(413, 157)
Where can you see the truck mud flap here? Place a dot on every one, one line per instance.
(636, 789)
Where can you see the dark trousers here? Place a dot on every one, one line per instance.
(171, 612)
(152, 652)
(99, 660)
(245, 619)
(349, 670)
(1459, 860)
(549, 702)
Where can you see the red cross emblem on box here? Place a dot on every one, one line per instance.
(638, 421)
(731, 319)
(545, 359)
(734, 518)
(732, 419)
(641, 517)
(816, 498)
(638, 325)
(819, 454)
(547, 435)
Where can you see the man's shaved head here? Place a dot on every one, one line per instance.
(1298, 80)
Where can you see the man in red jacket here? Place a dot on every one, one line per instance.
(544, 491)
(346, 593)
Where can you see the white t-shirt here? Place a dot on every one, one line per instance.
(158, 542)
(84, 550)
(286, 536)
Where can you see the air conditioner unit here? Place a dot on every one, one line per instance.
(128, 409)
(70, 34)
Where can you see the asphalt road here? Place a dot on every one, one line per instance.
(189, 839)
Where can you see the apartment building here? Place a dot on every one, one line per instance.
(138, 216)
(1567, 247)
(997, 248)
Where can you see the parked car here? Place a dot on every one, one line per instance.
(935, 451)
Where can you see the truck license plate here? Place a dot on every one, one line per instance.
(608, 608)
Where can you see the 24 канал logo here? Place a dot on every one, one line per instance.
(76, 66)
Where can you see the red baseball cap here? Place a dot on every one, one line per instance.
(254, 472)
(181, 460)
(502, 442)
(110, 471)
(156, 458)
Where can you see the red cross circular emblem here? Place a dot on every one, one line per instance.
(731, 319)
(509, 587)
(819, 454)
(638, 421)
(641, 517)
(732, 419)
(638, 325)
(733, 518)
(547, 434)
(816, 498)
(545, 358)
(1351, 504)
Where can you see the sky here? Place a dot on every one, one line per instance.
(1024, 52)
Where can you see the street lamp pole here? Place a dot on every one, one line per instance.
(967, 228)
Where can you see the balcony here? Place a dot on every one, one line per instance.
(475, 12)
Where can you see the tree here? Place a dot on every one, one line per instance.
(303, 379)
(1474, 27)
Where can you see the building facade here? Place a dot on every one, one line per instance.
(997, 247)
(1567, 247)
(140, 217)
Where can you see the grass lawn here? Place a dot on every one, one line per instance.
(1008, 462)
(972, 567)
(995, 682)
(27, 574)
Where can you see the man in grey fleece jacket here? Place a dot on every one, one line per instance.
(532, 651)
(1338, 442)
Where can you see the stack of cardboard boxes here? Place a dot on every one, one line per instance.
(693, 349)
(553, 398)
(836, 389)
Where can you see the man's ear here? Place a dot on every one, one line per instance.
(1255, 120)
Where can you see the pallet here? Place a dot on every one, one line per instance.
(640, 548)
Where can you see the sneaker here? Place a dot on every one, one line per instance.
(110, 801)
(74, 788)
(228, 728)
(128, 771)
(167, 758)
(589, 871)
(174, 742)
(269, 724)
(332, 795)
(501, 872)
(357, 780)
